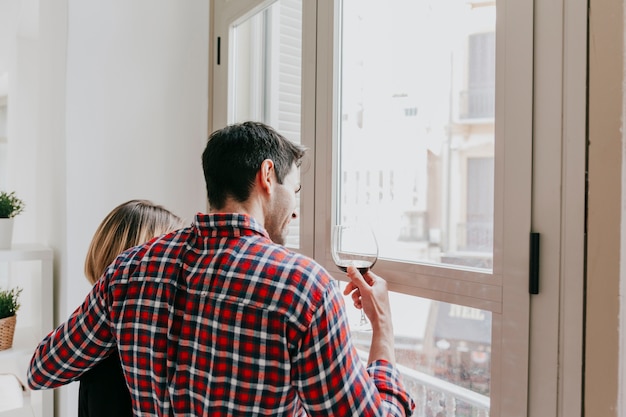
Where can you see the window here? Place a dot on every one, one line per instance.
(268, 64)
(478, 233)
(479, 98)
(384, 110)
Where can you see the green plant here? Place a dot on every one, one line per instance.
(9, 302)
(10, 205)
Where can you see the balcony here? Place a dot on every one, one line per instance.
(477, 103)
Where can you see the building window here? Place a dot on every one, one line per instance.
(478, 101)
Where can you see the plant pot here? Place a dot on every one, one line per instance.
(7, 330)
(6, 233)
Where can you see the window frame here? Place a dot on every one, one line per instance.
(488, 291)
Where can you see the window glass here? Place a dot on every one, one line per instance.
(416, 162)
(267, 74)
(416, 127)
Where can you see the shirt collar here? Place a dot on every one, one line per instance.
(227, 224)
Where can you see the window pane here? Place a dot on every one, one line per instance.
(267, 74)
(416, 129)
(442, 350)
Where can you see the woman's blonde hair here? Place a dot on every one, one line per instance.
(127, 225)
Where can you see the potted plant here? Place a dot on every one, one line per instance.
(9, 304)
(10, 206)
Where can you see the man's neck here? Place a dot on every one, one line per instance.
(248, 207)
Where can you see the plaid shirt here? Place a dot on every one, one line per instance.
(217, 320)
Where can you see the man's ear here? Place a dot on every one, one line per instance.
(267, 175)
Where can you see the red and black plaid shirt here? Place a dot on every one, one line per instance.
(217, 320)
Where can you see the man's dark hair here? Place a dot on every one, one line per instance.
(233, 156)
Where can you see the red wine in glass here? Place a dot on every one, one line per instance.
(353, 244)
(362, 265)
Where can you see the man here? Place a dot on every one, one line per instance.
(220, 319)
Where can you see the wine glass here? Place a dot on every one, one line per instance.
(354, 244)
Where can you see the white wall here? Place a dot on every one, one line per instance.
(122, 113)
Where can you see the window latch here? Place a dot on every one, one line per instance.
(533, 270)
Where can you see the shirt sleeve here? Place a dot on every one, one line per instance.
(75, 346)
(331, 378)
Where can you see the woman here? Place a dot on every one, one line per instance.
(103, 390)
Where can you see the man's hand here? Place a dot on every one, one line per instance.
(370, 293)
